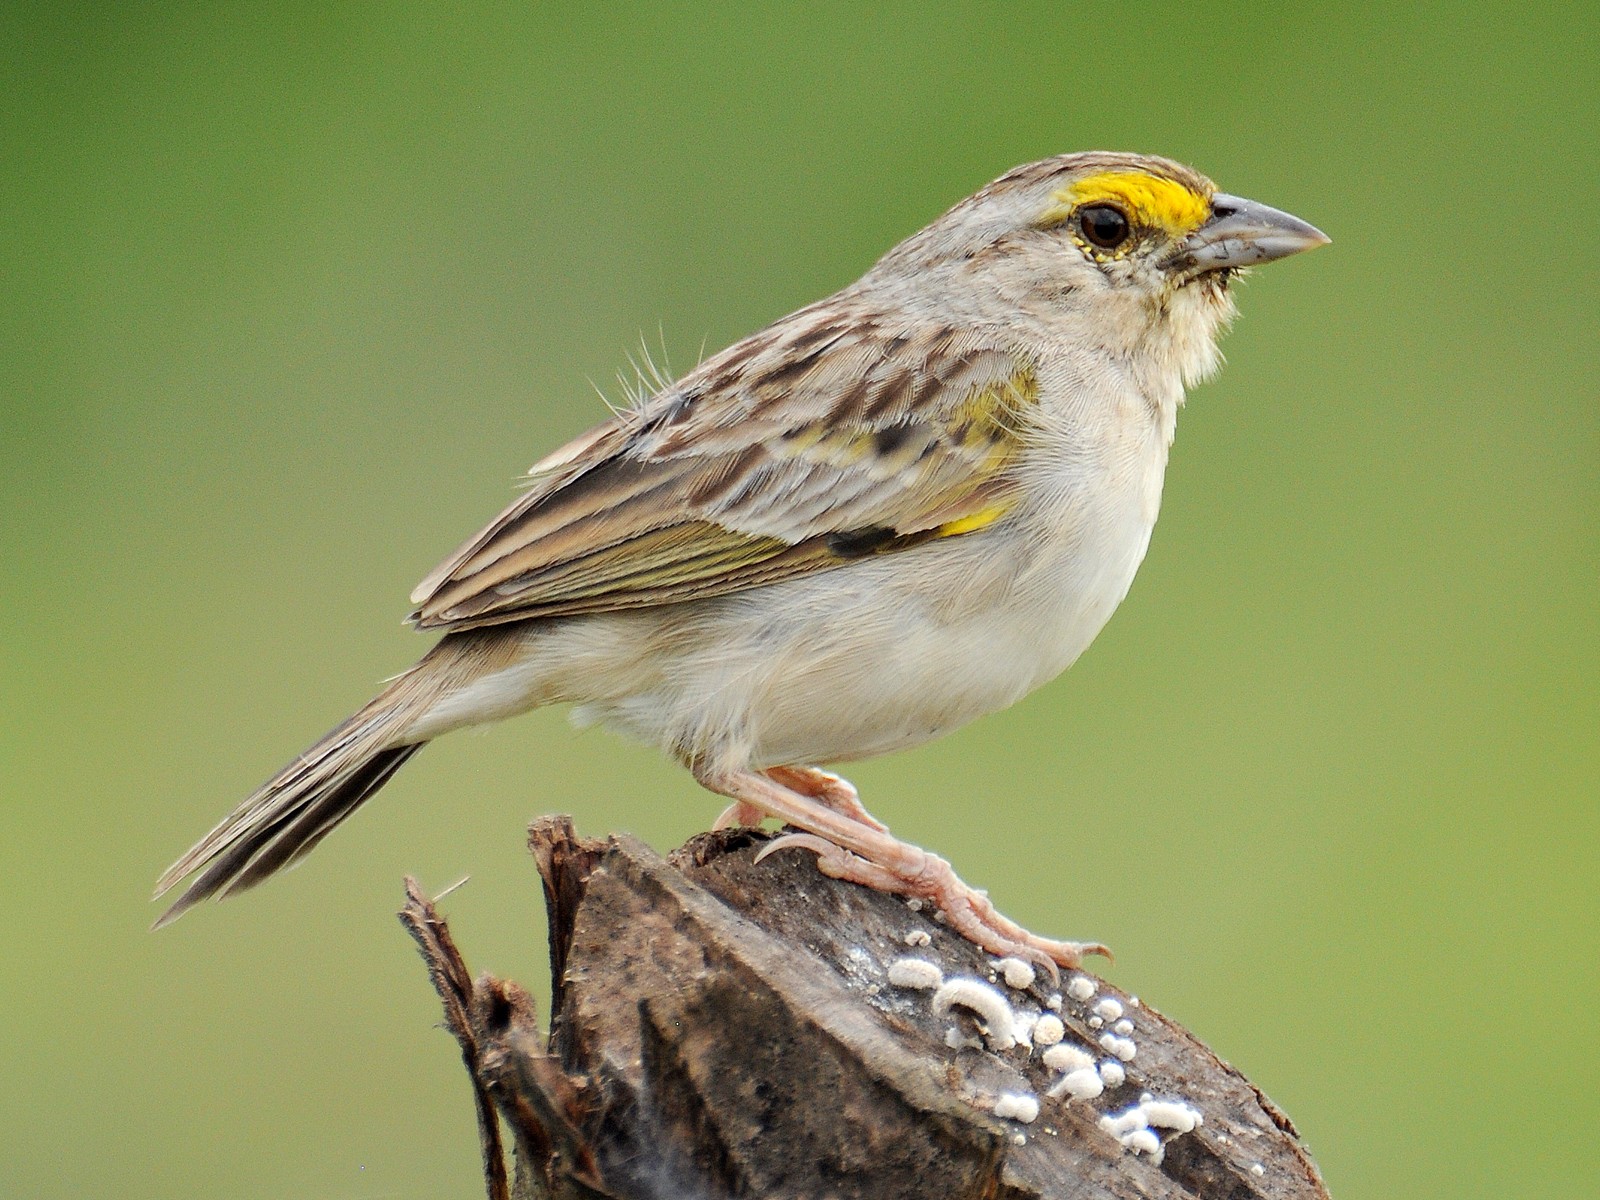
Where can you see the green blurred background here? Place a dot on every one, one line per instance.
(292, 294)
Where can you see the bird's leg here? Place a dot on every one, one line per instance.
(850, 850)
(837, 793)
(823, 786)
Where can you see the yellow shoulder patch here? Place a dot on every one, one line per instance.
(997, 411)
(974, 521)
(1148, 200)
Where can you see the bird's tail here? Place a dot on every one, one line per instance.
(287, 816)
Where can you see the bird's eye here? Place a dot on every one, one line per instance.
(1104, 225)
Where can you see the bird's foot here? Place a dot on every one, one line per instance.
(908, 871)
(866, 853)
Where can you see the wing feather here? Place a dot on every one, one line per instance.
(819, 439)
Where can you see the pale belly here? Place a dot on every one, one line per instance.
(877, 656)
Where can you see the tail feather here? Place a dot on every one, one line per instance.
(299, 806)
(287, 838)
(321, 819)
(292, 811)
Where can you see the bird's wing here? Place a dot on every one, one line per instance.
(822, 439)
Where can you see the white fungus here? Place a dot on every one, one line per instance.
(1067, 1057)
(998, 1019)
(1048, 1030)
(1122, 1047)
(1081, 1084)
(1017, 973)
(1112, 1074)
(915, 973)
(1123, 1027)
(1257, 1169)
(1144, 1141)
(917, 937)
(1133, 1126)
(1108, 1009)
(1121, 1124)
(1054, 1002)
(1080, 987)
(1171, 1114)
(914, 904)
(1095, 1022)
(1017, 1106)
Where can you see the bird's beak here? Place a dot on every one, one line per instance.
(1242, 233)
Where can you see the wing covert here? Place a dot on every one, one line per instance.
(816, 441)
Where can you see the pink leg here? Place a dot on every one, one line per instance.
(830, 789)
(822, 786)
(848, 849)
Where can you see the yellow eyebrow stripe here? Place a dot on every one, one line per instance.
(1148, 200)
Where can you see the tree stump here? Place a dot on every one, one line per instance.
(726, 1029)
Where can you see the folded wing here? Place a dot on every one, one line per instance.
(821, 439)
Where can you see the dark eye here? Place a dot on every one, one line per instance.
(1105, 226)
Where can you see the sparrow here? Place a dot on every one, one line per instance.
(898, 509)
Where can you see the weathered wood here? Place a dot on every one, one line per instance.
(459, 995)
(723, 1029)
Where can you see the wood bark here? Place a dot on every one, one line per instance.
(722, 1028)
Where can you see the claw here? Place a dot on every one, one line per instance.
(1039, 958)
(804, 841)
(739, 815)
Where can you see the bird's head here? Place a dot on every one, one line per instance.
(1130, 253)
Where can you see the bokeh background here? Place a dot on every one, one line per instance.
(292, 292)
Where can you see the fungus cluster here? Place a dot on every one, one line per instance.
(1004, 1016)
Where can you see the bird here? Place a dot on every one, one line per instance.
(891, 512)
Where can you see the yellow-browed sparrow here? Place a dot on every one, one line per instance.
(893, 511)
